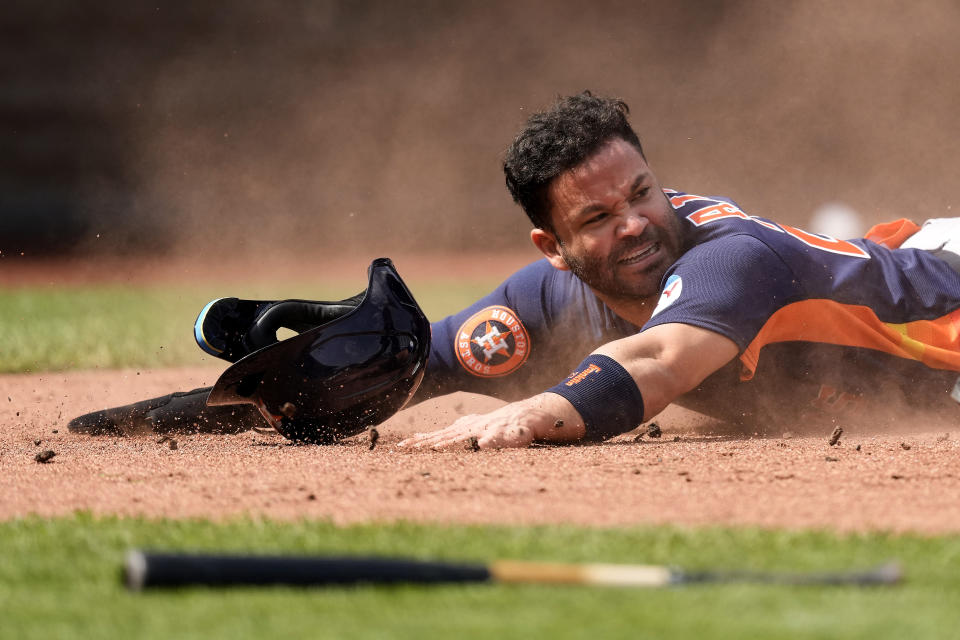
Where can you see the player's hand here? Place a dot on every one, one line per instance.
(517, 424)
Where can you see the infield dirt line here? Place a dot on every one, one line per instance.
(691, 475)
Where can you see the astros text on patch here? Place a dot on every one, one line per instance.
(492, 343)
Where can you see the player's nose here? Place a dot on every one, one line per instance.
(632, 223)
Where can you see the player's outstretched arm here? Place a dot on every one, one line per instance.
(664, 362)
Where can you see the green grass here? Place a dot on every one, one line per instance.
(54, 328)
(60, 579)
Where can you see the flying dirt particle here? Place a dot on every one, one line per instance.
(676, 438)
(638, 437)
(835, 436)
(558, 424)
(56, 430)
(312, 496)
(896, 476)
(173, 444)
(288, 409)
(782, 476)
(37, 442)
(858, 447)
(542, 490)
(905, 446)
(653, 430)
(473, 443)
(44, 456)
(683, 473)
(637, 472)
(831, 459)
(18, 414)
(374, 436)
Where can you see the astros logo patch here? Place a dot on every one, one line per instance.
(492, 343)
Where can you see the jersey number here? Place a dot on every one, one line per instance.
(720, 210)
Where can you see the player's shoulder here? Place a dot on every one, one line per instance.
(541, 281)
(729, 284)
(740, 249)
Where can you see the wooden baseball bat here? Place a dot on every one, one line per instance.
(150, 570)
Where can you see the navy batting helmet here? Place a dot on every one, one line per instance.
(341, 377)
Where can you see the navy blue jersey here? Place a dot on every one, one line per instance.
(521, 338)
(821, 323)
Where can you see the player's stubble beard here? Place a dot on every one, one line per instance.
(600, 273)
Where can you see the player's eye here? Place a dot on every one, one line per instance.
(597, 218)
(641, 194)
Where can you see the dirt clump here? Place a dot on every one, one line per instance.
(835, 436)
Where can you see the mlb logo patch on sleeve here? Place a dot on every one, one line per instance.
(671, 291)
(492, 343)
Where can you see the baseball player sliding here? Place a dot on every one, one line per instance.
(649, 296)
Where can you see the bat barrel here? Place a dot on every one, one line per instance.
(144, 570)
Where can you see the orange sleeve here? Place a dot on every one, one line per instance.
(892, 234)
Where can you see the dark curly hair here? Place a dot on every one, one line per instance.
(558, 139)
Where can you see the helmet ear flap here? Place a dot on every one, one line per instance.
(296, 315)
(263, 332)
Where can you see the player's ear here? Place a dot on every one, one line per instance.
(549, 246)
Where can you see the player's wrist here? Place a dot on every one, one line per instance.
(563, 423)
(605, 396)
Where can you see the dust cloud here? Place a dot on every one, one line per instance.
(376, 127)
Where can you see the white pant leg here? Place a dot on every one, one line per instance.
(936, 234)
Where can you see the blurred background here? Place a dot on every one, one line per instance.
(232, 130)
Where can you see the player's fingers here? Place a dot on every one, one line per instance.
(504, 439)
(475, 437)
(412, 441)
(453, 441)
(415, 441)
(428, 439)
(454, 435)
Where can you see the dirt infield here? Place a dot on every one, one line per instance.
(692, 475)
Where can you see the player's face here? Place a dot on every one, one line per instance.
(614, 227)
